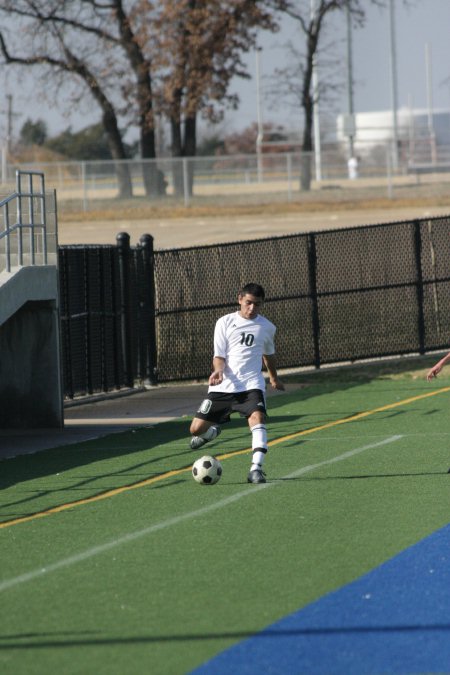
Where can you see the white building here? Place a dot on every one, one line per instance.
(421, 136)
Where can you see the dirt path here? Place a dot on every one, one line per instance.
(195, 231)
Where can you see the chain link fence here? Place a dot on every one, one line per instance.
(133, 315)
(239, 179)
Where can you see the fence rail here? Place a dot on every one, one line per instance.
(134, 315)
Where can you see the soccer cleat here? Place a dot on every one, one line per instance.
(197, 441)
(256, 476)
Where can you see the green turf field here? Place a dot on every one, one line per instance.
(115, 561)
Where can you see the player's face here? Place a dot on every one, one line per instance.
(250, 305)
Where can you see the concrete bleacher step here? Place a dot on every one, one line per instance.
(25, 284)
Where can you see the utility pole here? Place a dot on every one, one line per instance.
(6, 146)
(10, 114)
(9, 125)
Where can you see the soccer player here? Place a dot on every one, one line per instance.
(436, 369)
(243, 340)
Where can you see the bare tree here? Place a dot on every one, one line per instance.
(312, 17)
(134, 42)
(58, 43)
(175, 56)
(197, 52)
(73, 65)
(95, 42)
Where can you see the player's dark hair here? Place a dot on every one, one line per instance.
(253, 289)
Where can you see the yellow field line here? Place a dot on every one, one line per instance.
(177, 472)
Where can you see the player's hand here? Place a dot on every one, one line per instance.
(216, 377)
(434, 372)
(277, 384)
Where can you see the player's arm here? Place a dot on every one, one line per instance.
(220, 351)
(436, 369)
(269, 361)
(216, 376)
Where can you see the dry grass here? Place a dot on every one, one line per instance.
(141, 208)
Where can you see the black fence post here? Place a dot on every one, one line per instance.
(151, 356)
(87, 321)
(116, 316)
(65, 323)
(419, 286)
(100, 265)
(312, 269)
(123, 249)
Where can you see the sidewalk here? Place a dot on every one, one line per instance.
(105, 416)
(108, 415)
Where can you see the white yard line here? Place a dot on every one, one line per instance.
(169, 522)
(345, 455)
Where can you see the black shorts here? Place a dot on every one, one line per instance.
(218, 406)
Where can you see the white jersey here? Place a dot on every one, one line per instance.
(242, 343)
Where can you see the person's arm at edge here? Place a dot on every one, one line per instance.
(436, 369)
(276, 383)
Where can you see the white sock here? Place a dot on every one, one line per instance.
(259, 436)
(259, 445)
(258, 458)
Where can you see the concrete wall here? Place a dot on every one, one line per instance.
(30, 368)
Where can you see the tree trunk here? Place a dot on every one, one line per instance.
(147, 132)
(307, 146)
(190, 148)
(117, 152)
(149, 168)
(177, 153)
(141, 68)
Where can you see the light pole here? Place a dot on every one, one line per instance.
(351, 115)
(316, 118)
(260, 135)
(393, 59)
(430, 104)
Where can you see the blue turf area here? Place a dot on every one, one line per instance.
(395, 619)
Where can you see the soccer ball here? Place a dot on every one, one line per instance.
(207, 470)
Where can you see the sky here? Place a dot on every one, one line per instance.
(417, 23)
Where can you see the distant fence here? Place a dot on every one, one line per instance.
(132, 315)
(250, 178)
(92, 184)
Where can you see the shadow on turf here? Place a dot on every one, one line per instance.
(169, 434)
(19, 641)
(363, 476)
(275, 479)
(65, 458)
(22, 502)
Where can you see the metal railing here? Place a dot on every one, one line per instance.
(23, 237)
